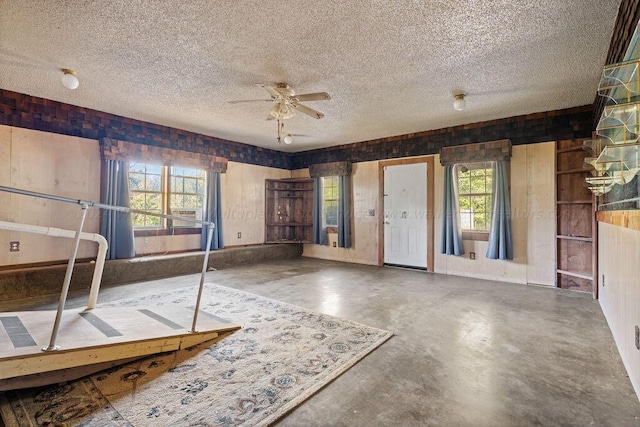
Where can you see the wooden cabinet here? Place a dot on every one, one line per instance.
(288, 210)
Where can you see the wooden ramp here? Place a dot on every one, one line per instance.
(93, 340)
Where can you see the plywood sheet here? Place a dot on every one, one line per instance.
(97, 336)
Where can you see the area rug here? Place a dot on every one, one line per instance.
(281, 356)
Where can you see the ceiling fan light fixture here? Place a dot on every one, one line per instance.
(458, 102)
(282, 111)
(287, 139)
(69, 79)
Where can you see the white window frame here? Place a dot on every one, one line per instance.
(334, 200)
(165, 192)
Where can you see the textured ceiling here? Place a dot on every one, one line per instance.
(391, 67)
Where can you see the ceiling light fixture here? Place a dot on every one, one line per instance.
(287, 139)
(69, 80)
(458, 102)
(282, 111)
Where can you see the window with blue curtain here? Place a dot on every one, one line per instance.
(116, 227)
(332, 202)
(213, 212)
(476, 200)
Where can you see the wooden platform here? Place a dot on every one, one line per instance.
(92, 340)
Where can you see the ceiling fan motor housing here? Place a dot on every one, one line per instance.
(284, 89)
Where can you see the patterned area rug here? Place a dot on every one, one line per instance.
(281, 356)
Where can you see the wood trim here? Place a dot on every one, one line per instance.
(570, 149)
(44, 264)
(429, 160)
(627, 218)
(330, 169)
(574, 202)
(480, 236)
(568, 171)
(577, 238)
(178, 231)
(480, 152)
(114, 149)
(585, 276)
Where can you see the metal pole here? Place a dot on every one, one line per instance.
(96, 204)
(205, 264)
(67, 281)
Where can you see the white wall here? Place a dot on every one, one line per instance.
(533, 224)
(242, 188)
(533, 210)
(243, 202)
(47, 163)
(70, 167)
(365, 227)
(619, 292)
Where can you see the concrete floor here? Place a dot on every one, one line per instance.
(466, 352)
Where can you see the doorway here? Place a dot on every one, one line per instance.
(406, 222)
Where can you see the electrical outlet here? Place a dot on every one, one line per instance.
(602, 281)
(334, 244)
(472, 255)
(372, 212)
(239, 235)
(637, 337)
(14, 246)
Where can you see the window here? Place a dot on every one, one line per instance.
(330, 201)
(474, 191)
(165, 190)
(146, 193)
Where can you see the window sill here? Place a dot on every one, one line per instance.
(178, 231)
(481, 236)
(333, 230)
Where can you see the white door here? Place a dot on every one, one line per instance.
(405, 215)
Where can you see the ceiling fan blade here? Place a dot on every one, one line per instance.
(250, 100)
(317, 96)
(308, 111)
(270, 117)
(271, 91)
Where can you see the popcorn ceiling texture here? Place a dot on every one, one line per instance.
(391, 67)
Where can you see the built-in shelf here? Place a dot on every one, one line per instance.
(288, 210)
(570, 149)
(619, 82)
(578, 238)
(588, 276)
(568, 171)
(290, 189)
(289, 224)
(576, 231)
(574, 202)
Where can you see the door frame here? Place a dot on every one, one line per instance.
(430, 220)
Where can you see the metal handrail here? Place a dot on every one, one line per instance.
(57, 232)
(85, 204)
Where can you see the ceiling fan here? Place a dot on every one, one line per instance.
(287, 103)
